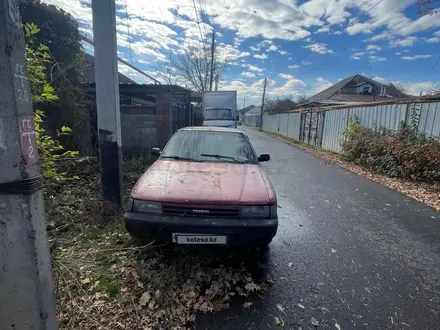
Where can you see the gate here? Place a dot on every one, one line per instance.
(312, 125)
(181, 115)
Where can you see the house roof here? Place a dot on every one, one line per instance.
(344, 92)
(244, 110)
(89, 72)
(254, 110)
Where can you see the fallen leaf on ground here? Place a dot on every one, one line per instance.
(333, 251)
(247, 304)
(290, 264)
(145, 298)
(280, 308)
(252, 287)
(337, 326)
(85, 281)
(314, 322)
(301, 306)
(279, 321)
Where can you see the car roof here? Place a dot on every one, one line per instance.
(212, 129)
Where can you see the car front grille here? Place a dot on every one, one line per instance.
(208, 211)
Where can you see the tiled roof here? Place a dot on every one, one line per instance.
(345, 91)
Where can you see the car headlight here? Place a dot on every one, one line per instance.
(256, 211)
(147, 206)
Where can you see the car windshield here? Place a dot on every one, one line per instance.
(210, 146)
(218, 114)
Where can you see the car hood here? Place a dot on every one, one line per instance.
(220, 123)
(201, 182)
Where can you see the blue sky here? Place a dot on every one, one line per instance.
(302, 47)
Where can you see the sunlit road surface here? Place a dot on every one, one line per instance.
(349, 252)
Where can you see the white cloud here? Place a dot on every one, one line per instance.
(306, 62)
(253, 91)
(415, 57)
(295, 66)
(418, 87)
(282, 52)
(381, 36)
(252, 68)
(406, 42)
(261, 56)
(286, 76)
(319, 85)
(354, 57)
(373, 47)
(433, 40)
(323, 29)
(320, 48)
(248, 74)
(272, 48)
(255, 49)
(377, 59)
(437, 33)
(230, 52)
(379, 79)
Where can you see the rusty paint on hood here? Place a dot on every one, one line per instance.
(202, 182)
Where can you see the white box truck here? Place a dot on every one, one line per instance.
(220, 109)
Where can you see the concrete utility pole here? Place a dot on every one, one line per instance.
(107, 100)
(262, 103)
(211, 78)
(27, 299)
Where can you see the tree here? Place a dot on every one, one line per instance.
(435, 91)
(59, 31)
(302, 99)
(194, 65)
(279, 105)
(426, 7)
(399, 86)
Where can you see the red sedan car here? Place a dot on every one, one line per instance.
(207, 187)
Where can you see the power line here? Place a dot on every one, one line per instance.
(129, 38)
(198, 21)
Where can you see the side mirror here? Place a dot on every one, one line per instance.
(264, 158)
(156, 151)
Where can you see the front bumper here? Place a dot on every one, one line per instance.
(239, 231)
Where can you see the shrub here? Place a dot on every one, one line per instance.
(50, 150)
(404, 153)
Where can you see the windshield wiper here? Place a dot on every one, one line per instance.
(221, 156)
(179, 158)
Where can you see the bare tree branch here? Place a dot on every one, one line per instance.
(194, 65)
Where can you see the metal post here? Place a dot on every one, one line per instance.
(262, 103)
(27, 299)
(107, 100)
(211, 78)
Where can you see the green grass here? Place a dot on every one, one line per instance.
(108, 285)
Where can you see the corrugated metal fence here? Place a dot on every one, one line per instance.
(287, 124)
(389, 116)
(252, 120)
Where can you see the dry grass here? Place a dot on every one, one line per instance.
(104, 282)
